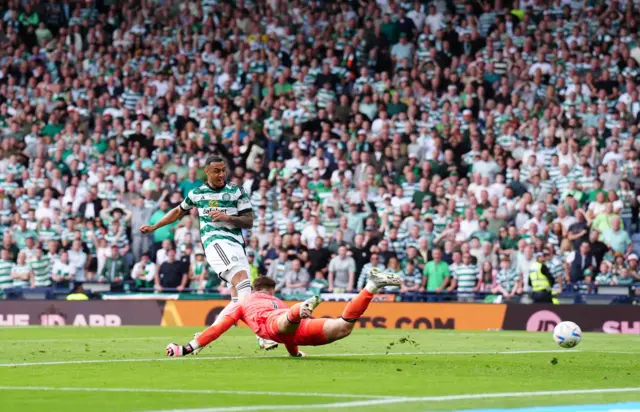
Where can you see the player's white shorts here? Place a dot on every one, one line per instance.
(227, 259)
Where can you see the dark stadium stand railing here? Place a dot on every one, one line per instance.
(605, 295)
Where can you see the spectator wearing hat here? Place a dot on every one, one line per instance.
(632, 264)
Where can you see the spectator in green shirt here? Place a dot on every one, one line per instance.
(602, 222)
(436, 273)
(115, 269)
(422, 192)
(482, 234)
(29, 17)
(165, 232)
(592, 194)
(191, 182)
(616, 238)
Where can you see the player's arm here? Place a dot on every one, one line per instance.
(293, 351)
(244, 219)
(214, 331)
(172, 216)
(210, 334)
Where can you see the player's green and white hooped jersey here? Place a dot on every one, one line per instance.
(230, 199)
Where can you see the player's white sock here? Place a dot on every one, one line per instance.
(194, 344)
(372, 287)
(244, 289)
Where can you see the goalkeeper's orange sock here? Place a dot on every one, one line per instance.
(293, 316)
(357, 306)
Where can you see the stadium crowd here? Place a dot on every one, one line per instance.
(453, 142)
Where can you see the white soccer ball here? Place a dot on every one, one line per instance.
(567, 334)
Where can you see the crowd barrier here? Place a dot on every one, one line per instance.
(458, 316)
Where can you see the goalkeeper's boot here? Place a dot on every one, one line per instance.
(381, 279)
(308, 306)
(267, 344)
(174, 350)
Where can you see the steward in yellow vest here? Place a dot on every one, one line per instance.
(541, 280)
(77, 293)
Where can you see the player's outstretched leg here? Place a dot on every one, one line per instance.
(336, 329)
(288, 322)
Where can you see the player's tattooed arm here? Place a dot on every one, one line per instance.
(244, 219)
(173, 215)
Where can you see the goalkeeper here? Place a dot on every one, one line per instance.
(270, 318)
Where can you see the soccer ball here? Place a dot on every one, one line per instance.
(567, 334)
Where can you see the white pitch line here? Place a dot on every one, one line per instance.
(377, 402)
(196, 391)
(321, 355)
(36, 340)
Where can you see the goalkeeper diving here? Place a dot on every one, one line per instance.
(270, 318)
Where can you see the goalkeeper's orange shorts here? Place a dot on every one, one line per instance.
(309, 333)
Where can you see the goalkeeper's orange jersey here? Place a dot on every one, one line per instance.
(255, 309)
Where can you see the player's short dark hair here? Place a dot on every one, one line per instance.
(263, 283)
(215, 159)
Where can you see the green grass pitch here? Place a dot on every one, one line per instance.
(124, 369)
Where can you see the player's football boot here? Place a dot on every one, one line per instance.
(382, 279)
(174, 350)
(308, 306)
(267, 344)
